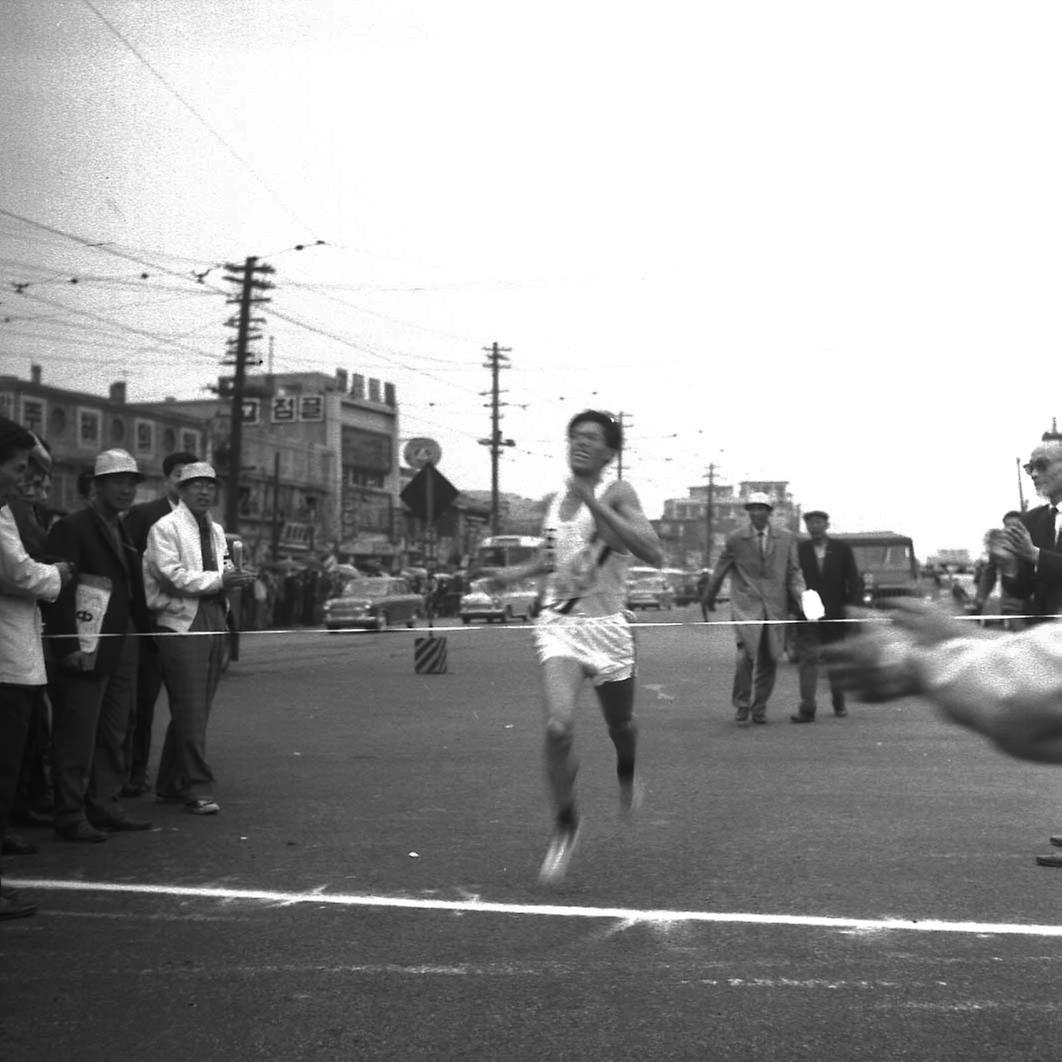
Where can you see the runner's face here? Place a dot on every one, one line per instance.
(588, 452)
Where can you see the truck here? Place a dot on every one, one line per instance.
(887, 565)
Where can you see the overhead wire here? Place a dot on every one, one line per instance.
(194, 111)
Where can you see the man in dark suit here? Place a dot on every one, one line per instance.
(138, 522)
(1034, 540)
(829, 568)
(94, 692)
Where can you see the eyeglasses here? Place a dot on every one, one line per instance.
(1041, 464)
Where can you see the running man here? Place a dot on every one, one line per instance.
(592, 530)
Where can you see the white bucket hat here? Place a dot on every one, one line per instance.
(196, 470)
(757, 497)
(116, 462)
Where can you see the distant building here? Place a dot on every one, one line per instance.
(319, 464)
(78, 425)
(683, 527)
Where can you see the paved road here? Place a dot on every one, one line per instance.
(857, 889)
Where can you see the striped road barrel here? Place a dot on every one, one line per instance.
(429, 656)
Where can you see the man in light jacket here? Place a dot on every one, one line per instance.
(185, 580)
(765, 577)
(23, 581)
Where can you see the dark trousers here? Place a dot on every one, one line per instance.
(809, 642)
(90, 721)
(35, 782)
(754, 676)
(138, 739)
(191, 668)
(16, 711)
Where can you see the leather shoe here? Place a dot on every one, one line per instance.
(1057, 840)
(840, 712)
(15, 845)
(134, 789)
(13, 906)
(80, 831)
(1054, 859)
(801, 717)
(760, 720)
(121, 825)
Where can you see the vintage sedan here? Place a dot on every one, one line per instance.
(373, 603)
(482, 603)
(650, 592)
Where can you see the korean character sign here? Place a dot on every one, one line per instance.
(283, 409)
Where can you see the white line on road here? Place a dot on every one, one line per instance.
(632, 916)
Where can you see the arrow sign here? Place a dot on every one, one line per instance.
(429, 493)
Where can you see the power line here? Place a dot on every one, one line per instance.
(196, 114)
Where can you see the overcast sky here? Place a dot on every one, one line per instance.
(817, 242)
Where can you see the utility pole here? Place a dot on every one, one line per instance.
(247, 277)
(708, 516)
(496, 361)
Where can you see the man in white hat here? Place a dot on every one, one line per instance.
(764, 572)
(186, 578)
(94, 692)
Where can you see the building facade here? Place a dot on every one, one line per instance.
(78, 425)
(319, 468)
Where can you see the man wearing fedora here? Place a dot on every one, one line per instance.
(764, 571)
(94, 693)
(829, 568)
(186, 578)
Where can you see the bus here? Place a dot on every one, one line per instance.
(502, 551)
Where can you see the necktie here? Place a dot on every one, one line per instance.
(1057, 529)
(763, 543)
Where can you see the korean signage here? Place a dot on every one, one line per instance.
(294, 409)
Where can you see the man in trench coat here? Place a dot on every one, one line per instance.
(765, 577)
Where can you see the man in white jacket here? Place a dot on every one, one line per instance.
(185, 579)
(23, 582)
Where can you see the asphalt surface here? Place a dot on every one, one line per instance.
(860, 888)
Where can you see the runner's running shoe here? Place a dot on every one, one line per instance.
(559, 854)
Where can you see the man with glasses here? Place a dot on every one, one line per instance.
(1034, 538)
(185, 578)
(1035, 541)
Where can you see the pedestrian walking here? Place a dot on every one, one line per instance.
(761, 561)
(829, 568)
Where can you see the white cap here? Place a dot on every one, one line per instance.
(116, 462)
(757, 497)
(196, 470)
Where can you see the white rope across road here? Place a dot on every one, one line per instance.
(460, 627)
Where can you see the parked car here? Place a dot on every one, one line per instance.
(652, 591)
(373, 604)
(482, 603)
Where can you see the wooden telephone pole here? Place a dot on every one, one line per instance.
(251, 286)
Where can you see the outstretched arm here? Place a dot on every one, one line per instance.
(1006, 687)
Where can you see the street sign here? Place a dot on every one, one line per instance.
(429, 493)
(420, 452)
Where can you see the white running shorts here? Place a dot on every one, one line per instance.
(603, 645)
